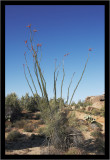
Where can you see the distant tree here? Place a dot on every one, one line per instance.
(12, 106)
(30, 103)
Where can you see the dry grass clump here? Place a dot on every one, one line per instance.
(50, 150)
(29, 128)
(20, 124)
(74, 151)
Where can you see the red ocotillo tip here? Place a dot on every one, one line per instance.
(25, 41)
(29, 26)
(67, 54)
(39, 45)
(31, 47)
(35, 30)
(90, 49)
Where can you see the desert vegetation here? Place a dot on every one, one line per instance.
(52, 125)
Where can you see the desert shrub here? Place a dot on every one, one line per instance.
(27, 116)
(102, 112)
(82, 104)
(99, 141)
(73, 104)
(29, 128)
(97, 134)
(38, 116)
(20, 124)
(63, 136)
(51, 150)
(77, 106)
(41, 131)
(74, 151)
(73, 121)
(99, 125)
(8, 128)
(29, 103)
(95, 112)
(40, 122)
(83, 128)
(35, 125)
(12, 107)
(100, 144)
(14, 135)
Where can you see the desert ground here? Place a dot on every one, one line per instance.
(32, 142)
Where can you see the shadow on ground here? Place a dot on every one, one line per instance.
(25, 142)
(91, 146)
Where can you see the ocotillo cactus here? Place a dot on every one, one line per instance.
(39, 74)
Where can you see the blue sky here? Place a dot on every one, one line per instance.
(61, 29)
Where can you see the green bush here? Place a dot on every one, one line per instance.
(14, 135)
(73, 104)
(82, 104)
(12, 107)
(29, 103)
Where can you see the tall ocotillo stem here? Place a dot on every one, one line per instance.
(36, 73)
(79, 80)
(28, 81)
(69, 87)
(55, 80)
(63, 78)
(55, 86)
(30, 73)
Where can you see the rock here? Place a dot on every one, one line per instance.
(97, 102)
(94, 99)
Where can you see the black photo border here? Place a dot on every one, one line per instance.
(3, 4)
